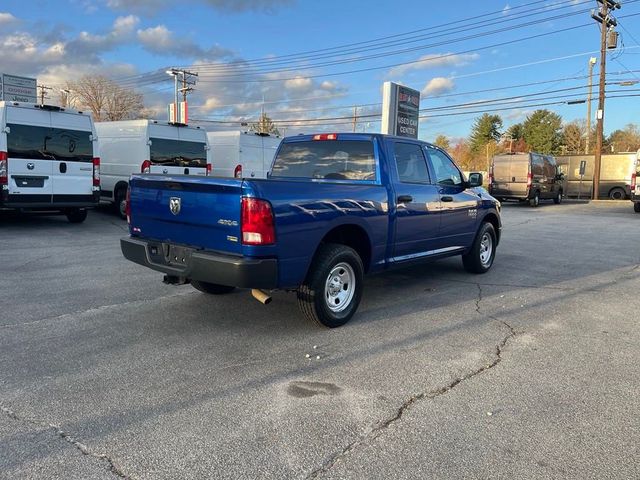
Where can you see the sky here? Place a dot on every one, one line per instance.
(312, 65)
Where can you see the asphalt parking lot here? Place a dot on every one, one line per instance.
(529, 371)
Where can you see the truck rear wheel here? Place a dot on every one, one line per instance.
(617, 194)
(480, 257)
(535, 201)
(331, 293)
(636, 207)
(76, 215)
(212, 288)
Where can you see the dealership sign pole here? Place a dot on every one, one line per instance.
(400, 110)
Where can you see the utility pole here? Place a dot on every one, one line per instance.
(43, 92)
(355, 117)
(592, 62)
(187, 81)
(606, 22)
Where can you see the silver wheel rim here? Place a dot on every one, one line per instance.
(486, 249)
(340, 287)
(123, 207)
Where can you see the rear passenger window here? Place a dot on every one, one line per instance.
(331, 159)
(44, 143)
(410, 163)
(177, 153)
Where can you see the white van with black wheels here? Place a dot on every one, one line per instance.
(49, 160)
(242, 154)
(148, 146)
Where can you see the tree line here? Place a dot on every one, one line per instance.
(542, 131)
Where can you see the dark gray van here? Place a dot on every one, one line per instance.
(525, 176)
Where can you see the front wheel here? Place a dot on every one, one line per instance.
(76, 215)
(480, 257)
(331, 293)
(558, 198)
(121, 203)
(211, 288)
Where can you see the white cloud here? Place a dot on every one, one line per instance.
(298, 83)
(7, 18)
(506, 10)
(150, 7)
(438, 86)
(434, 61)
(162, 41)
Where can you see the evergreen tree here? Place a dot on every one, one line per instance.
(442, 141)
(485, 129)
(542, 130)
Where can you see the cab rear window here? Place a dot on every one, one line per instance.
(178, 153)
(45, 143)
(331, 159)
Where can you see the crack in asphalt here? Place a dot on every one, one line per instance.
(540, 287)
(84, 449)
(376, 431)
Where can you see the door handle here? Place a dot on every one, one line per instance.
(63, 167)
(405, 199)
(446, 198)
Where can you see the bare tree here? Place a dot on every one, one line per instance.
(264, 125)
(107, 100)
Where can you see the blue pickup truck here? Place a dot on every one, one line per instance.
(335, 207)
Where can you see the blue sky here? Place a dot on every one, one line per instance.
(317, 60)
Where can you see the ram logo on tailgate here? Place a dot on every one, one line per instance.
(174, 205)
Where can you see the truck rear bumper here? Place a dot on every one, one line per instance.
(203, 266)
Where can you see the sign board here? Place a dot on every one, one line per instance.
(179, 115)
(18, 89)
(583, 167)
(400, 110)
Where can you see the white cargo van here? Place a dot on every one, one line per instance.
(49, 160)
(242, 154)
(148, 146)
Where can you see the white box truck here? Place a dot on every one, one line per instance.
(49, 160)
(148, 146)
(242, 154)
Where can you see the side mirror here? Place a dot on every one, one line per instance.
(475, 179)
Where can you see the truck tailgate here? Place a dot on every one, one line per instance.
(202, 212)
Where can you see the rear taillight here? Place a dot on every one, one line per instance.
(633, 182)
(529, 179)
(4, 169)
(127, 206)
(145, 167)
(96, 172)
(208, 169)
(237, 172)
(326, 136)
(257, 222)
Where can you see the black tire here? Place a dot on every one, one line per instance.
(636, 207)
(120, 200)
(535, 201)
(331, 266)
(617, 194)
(475, 260)
(76, 215)
(212, 288)
(558, 198)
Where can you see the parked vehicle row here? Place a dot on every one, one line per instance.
(635, 188)
(525, 177)
(57, 159)
(335, 206)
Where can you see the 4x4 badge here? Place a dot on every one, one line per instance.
(174, 205)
